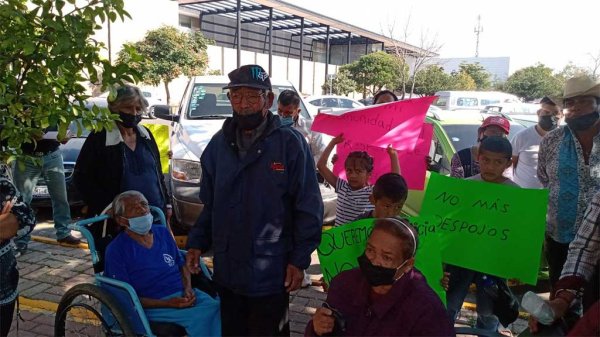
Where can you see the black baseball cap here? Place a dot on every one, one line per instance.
(250, 75)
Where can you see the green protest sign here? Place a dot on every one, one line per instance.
(492, 228)
(341, 246)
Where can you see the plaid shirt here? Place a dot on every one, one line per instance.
(584, 251)
(555, 146)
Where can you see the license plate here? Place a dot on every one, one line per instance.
(41, 191)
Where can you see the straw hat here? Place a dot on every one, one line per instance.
(581, 86)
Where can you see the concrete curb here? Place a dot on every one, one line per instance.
(50, 241)
(37, 305)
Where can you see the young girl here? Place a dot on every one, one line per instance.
(353, 194)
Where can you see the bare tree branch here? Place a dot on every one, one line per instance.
(595, 68)
(427, 49)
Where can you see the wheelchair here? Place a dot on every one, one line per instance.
(108, 307)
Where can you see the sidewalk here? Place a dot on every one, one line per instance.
(48, 270)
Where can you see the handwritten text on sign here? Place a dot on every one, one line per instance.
(412, 163)
(341, 246)
(492, 228)
(379, 125)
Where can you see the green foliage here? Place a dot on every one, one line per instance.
(432, 79)
(376, 70)
(47, 53)
(534, 82)
(478, 73)
(214, 72)
(462, 81)
(166, 53)
(571, 70)
(342, 84)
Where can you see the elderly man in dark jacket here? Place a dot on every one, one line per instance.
(262, 210)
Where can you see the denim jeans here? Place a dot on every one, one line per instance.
(53, 171)
(460, 280)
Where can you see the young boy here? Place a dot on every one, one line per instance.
(288, 109)
(389, 194)
(494, 157)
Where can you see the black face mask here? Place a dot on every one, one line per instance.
(377, 275)
(129, 121)
(548, 123)
(248, 122)
(584, 122)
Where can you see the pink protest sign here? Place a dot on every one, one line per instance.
(412, 163)
(379, 125)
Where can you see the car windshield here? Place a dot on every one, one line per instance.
(463, 136)
(210, 101)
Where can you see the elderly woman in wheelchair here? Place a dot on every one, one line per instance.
(146, 256)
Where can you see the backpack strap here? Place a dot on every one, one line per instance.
(465, 159)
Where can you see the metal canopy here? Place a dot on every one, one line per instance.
(277, 15)
(286, 17)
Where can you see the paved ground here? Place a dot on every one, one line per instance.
(48, 270)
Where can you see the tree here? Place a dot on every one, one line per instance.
(428, 47)
(594, 70)
(374, 71)
(462, 81)
(432, 79)
(478, 73)
(167, 53)
(534, 82)
(342, 84)
(47, 54)
(571, 70)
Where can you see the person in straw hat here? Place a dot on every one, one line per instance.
(569, 166)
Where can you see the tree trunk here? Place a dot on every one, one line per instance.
(412, 86)
(166, 83)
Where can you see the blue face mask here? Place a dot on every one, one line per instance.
(141, 224)
(286, 121)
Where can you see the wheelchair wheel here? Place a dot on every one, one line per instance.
(83, 311)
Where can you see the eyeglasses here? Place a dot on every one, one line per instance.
(252, 99)
(584, 101)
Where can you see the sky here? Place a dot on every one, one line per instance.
(527, 31)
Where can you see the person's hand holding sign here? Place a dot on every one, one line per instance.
(338, 139)
(394, 159)
(323, 321)
(325, 172)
